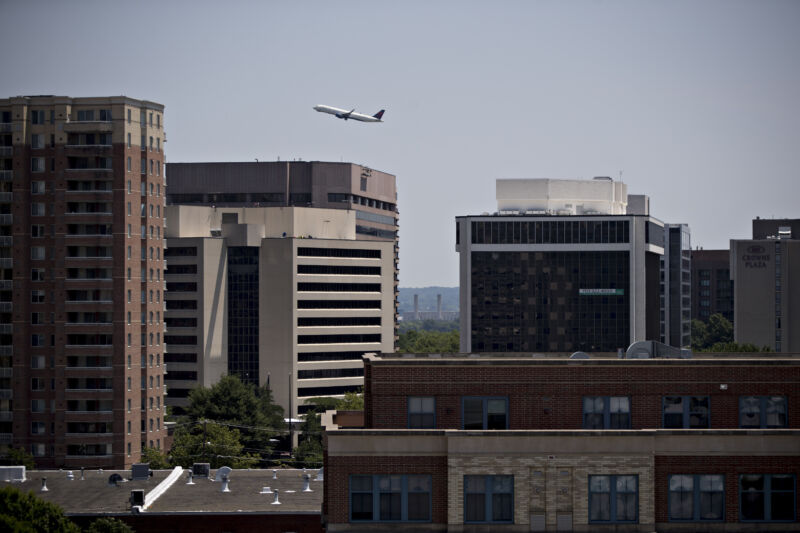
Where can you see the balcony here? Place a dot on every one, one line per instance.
(6, 438)
(6, 127)
(6, 284)
(6, 329)
(97, 170)
(6, 151)
(89, 391)
(6, 196)
(5, 307)
(6, 416)
(6, 372)
(6, 175)
(6, 394)
(6, 240)
(89, 127)
(6, 220)
(6, 350)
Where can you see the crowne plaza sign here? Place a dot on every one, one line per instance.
(755, 256)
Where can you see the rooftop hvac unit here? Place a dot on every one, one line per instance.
(201, 469)
(137, 498)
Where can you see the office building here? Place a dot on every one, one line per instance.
(282, 296)
(81, 335)
(527, 442)
(766, 278)
(712, 288)
(676, 286)
(565, 265)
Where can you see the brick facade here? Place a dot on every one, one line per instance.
(546, 449)
(729, 466)
(550, 396)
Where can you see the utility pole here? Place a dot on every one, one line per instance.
(204, 438)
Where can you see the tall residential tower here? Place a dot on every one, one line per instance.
(81, 257)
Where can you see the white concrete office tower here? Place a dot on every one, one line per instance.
(564, 265)
(280, 295)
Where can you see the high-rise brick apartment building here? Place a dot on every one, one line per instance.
(81, 257)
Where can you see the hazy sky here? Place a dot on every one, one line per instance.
(695, 102)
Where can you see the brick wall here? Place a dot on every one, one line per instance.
(730, 466)
(550, 396)
(214, 523)
(339, 468)
(563, 482)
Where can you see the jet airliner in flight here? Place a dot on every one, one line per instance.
(345, 114)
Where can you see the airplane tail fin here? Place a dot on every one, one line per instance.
(379, 114)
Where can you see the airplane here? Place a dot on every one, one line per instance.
(345, 114)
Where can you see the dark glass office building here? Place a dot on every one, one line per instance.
(559, 283)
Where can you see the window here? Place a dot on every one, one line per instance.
(488, 499)
(37, 428)
(37, 252)
(762, 411)
(392, 498)
(686, 411)
(767, 497)
(37, 209)
(37, 141)
(37, 296)
(606, 412)
(613, 498)
(696, 497)
(129, 121)
(37, 274)
(37, 384)
(484, 413)
(421, 412)
(128, 164)
(37, 406)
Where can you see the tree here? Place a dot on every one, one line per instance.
(352, 401)
(308, 453)
(237, 403)
(717, 330)
(415, 341)
(699, 335)
(723, 347)
(210, 443)
(109, 525)
(23, 511)
(18, 457)
(157, 459)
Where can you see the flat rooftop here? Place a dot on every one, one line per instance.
(95, 495)
(604, 358)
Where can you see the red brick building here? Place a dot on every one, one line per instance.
(533, 443)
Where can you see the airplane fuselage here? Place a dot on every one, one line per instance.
(345, 114)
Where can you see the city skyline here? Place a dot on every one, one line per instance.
(689, 103)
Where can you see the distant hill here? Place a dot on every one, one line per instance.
(427, 298)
